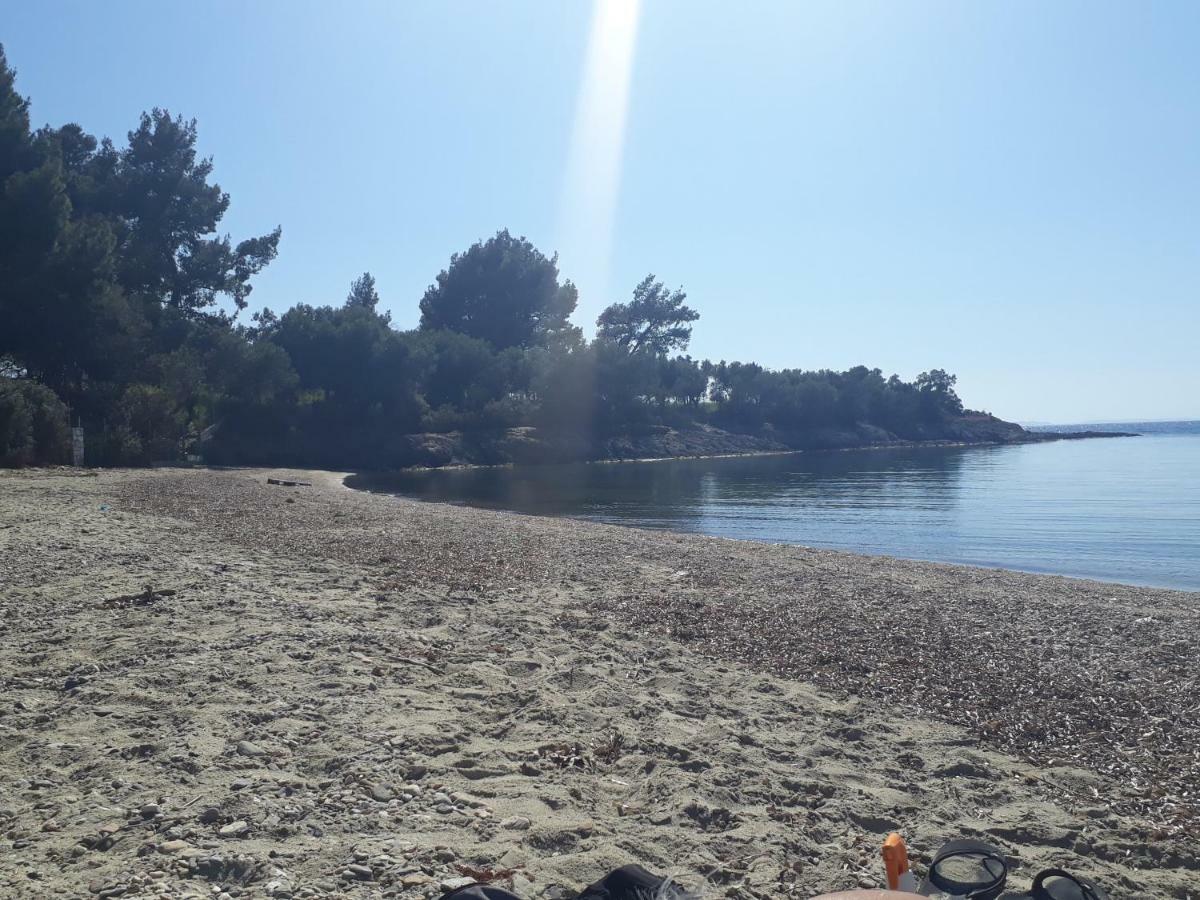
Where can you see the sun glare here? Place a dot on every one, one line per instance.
(593, 171)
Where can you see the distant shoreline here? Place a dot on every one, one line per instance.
(1028, 438)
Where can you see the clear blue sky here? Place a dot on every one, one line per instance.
(1008, 190)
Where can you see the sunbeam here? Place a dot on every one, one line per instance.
(593, 172)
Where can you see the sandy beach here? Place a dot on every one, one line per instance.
(216, 687)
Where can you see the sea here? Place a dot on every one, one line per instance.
(1121, 509)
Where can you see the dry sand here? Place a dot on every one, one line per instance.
(212, 687)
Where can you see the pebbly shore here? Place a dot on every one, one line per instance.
(213, 686)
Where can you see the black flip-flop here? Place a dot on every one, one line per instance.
(970, 869)
(479, 892)
(1055, 884)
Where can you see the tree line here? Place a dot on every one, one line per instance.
(120, 311)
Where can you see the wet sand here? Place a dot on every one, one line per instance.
(215, 686)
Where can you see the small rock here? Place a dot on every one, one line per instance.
(381, 792)
(361, 872)
(453, 884)
(150, 810)
(246, 748)
(173, 846)
(209, 816)
(234, 829)
(515, 823)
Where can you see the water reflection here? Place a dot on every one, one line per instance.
(1119, 510)
(800, 498)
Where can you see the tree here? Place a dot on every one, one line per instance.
(936, 390)
(656, 320)
(168, 211)
(14, 122)
(681, 380)
(461, 372)
(33, 424)
(363, 293)
(504, 291)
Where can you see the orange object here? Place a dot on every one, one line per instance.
(895, 859)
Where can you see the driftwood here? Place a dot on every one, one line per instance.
(285, 483)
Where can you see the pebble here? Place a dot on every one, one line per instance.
(361, 872)
(150, 810)
(234, 829)
(515, 823)
(453, 884)
(381, 792)
(246, 748)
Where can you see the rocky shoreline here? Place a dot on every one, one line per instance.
(217, 687)
(532, 446)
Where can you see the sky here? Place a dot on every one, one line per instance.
(1006, 190)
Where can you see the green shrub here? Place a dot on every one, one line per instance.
(34, 425)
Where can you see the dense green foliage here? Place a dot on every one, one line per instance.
(655, 320)
(119, 309)
(504, 291)
(33, 424)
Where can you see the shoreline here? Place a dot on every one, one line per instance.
(753, 716)
(1035, 438)
(463, 504)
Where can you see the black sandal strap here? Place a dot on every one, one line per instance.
(1087, 889)
(972, 890)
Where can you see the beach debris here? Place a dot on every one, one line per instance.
(148, 595)
(565, 755)
(287, 482)
(710, 818)
(486, 874)
(611, 749)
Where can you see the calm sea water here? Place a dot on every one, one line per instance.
(1115, 509)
